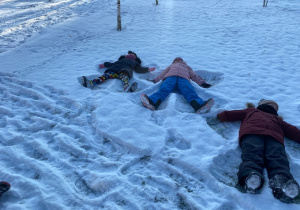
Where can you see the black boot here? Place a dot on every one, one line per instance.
(148, 103)
(203, 108)
(284, 189)
(132, 87)
(195, 105)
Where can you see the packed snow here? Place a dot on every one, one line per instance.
(64, 146)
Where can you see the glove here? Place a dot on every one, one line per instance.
(213, 120)
(150, 80)
(205, 85)
(101, 66)
(151, 69)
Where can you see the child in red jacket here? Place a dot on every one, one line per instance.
(261, 137)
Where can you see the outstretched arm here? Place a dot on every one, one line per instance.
(105, 65)
(140, 69)
(234, 115)
(196, 78)
(290, 131)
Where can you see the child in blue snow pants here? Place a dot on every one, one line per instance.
(175, 83)
(177, 77)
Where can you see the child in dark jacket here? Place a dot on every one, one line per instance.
(121, 69)
(178, 76)
(261, 138)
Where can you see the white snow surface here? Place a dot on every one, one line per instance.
(64, 146)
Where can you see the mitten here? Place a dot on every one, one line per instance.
(205, 85)
(101, 65)
(151, 69)
(150, 80)
(213, 120)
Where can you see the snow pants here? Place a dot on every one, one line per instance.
(175, 83)
(259, 152)
(112, 75)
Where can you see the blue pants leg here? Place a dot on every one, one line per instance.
(165, 89)
(186, 89)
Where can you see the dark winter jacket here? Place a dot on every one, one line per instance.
(255, 121)
(125, 65)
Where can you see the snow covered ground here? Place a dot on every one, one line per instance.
(67, 147)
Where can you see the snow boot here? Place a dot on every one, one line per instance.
(4, 187)
(206, 106)
(291, 188)
(147, 102)
(283, 190)
(87, 83)
(253, 183)
(131, 88)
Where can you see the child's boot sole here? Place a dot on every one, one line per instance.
(145, 101)
(206, 106)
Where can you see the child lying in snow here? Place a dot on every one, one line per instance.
(261, 138)
(178, 76)
(121, 69)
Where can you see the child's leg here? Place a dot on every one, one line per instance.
(165, 89)
(104, 77)
(125, 79)
(276, 159)
(252, 157)
(188, 91)
(281, 181)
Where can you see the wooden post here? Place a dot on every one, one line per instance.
(119, 16)
(156, 2)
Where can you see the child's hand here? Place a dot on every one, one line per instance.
(150, 80)
(206, 85)
(101, 66)
(151, 69)
(213, 120)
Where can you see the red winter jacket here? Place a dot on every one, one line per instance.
(181, 69)
(255, 121)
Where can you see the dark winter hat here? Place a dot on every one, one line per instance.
(269, 102)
